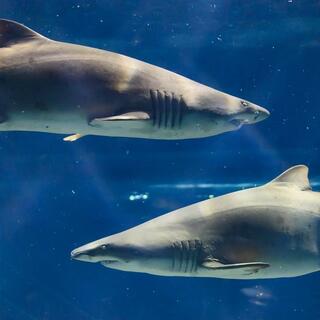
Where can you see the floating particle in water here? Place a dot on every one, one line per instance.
(138, 196)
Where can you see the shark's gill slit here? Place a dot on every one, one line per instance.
(192, 254)
(186, 251)
(180, 110)
(154, 101)
(188, 255)
(174, 104)
(167, 109)
(198, 245)
(173, 256)
(162, 110)
(176, 256)
(185, 256)
(164, 106)
(170, 109)
(180, 255)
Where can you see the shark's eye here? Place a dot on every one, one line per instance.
(104, 247)
(244, 103)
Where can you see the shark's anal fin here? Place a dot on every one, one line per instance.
(123, 117)
(242, 269)
(73, 137)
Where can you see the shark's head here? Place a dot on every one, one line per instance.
(210, 112)
(247, 113)
(137, 254)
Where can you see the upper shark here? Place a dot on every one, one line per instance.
(271, 231)
(57, 87)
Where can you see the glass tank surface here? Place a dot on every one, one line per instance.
(114, 113)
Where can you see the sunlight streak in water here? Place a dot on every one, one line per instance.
(240, 185)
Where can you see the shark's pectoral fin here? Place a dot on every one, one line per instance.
(236, 269)
(123, 117)
(73, 137)
(12, 32)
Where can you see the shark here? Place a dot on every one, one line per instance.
(271, 231)
(57, 87)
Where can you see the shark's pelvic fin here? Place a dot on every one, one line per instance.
(297, 175)
(235, 268)
(139, 115)
(73, 137)
(12, 33)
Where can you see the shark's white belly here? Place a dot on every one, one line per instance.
(76, 123)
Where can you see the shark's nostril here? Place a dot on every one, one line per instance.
(75, 253)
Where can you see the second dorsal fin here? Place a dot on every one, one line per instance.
(12, 32)
(297, 175)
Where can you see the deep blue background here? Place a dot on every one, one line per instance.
(55, 196)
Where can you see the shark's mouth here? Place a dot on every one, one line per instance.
(238, 123)
(108, 262)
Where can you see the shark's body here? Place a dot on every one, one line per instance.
(57, 87)
(266, 232)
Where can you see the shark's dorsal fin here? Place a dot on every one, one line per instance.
(297, 175)
(12, 32)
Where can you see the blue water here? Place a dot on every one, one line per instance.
(55, 196)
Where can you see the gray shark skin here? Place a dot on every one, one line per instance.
(270, 231)
(56, 87)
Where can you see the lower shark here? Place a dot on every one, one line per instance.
(271, 231)
(56, 87)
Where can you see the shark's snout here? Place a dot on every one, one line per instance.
(88, 253)
(260, 113)
(82, 255)
(97, 252)
(252, 113)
